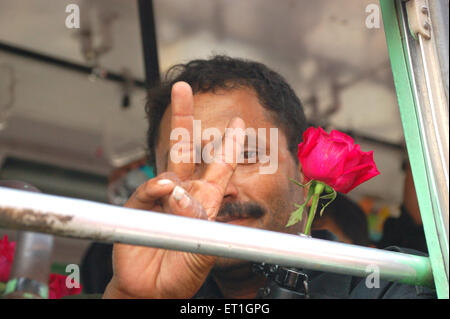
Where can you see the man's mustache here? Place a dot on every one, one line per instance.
(236, 210)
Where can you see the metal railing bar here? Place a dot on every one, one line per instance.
(101, 222)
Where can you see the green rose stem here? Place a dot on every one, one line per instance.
(318, 189)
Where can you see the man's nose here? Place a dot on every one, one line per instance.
(231, 192)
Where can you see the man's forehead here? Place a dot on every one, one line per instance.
(216, 109)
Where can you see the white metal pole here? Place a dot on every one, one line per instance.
(101, 222)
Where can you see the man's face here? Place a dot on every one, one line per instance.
(262, 201)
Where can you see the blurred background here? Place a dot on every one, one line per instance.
(72, 100)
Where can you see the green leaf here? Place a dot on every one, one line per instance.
(332, 196)
(297, 215)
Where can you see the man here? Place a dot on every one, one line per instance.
(407, 229)
(221, 93)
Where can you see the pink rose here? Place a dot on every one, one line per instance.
(6, 258)
(335, 160)
(57, 287)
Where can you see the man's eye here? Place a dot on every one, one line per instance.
(250, 156)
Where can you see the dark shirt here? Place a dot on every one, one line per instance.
(96, 268)
(403, 232)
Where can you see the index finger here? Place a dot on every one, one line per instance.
(181, 154)
(220, 171)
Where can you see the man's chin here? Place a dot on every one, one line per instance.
(228, 265)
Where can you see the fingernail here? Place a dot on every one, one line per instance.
(178, 193)
(164, 182)
(181, 197)
(184, 202)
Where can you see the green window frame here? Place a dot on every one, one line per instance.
(432, 197)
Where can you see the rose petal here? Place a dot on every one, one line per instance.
(354, 158)
(342, 137)
(310, 137)
(355, 176)
(325, 162)
(7, 250)
(58, 288)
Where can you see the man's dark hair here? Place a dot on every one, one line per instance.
(223, 72)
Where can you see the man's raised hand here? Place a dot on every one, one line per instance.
(143, 272)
